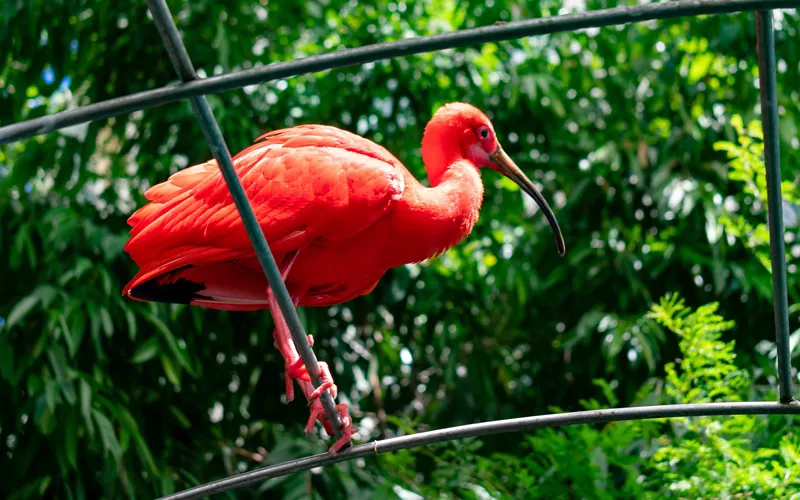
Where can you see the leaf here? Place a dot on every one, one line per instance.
(130, 318)
(182, 419)
(94, 320)
(508, 184)
(699, 67)
(59, 363)
(77, 329)
(15, 256)
(38, 487)
(86, 406)
(71, 440)
(108, 324)
(167, 484)
(713, 227)
(71, 347)
(46, 420)
(794, 341)
(737, 123)
(106, 278)
(141, 446)
(94, 329)
(608, 392)
(146, 351)
(170, 370)
(82, 265)
(51, 393)
(180, 354)
(110, 442)
(21, 309)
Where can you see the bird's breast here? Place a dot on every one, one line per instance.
(429, 221)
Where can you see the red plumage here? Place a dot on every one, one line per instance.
(337, 210)
(307, 185)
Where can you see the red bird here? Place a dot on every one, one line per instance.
(337, 210)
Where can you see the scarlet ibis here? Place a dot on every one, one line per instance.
(338, 211)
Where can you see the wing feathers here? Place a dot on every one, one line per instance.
(305, 183)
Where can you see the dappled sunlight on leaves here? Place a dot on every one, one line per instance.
(642, 137)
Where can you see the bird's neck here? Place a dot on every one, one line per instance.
(454, 199)
(430, 220)
(441, 149)
(433, 219)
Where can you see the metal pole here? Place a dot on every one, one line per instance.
(379, 51)
(772, 158)
(486, 429)
(183, 66)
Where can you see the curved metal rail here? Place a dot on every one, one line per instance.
(486, 429)
(195, 89)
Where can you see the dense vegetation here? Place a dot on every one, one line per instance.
(645, 139)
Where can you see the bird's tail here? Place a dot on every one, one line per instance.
(227, 286)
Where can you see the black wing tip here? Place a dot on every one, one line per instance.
(180, 291)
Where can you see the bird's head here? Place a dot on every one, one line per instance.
(465, 131)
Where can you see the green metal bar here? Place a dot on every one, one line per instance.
(183, 66)
(772, 158)
(379, 51)
(486, 429)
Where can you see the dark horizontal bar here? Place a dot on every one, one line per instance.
(486, 429)
(183, 66)
(375, 52)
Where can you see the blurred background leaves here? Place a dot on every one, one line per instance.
(644, 137)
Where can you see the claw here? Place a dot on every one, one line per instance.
(318, 414)
(297, 370)
(324, 386)
(327, 383)
(347, 429)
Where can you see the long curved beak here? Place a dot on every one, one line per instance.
(507, 167)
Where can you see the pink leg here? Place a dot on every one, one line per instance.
(295, 369)
(282, 335)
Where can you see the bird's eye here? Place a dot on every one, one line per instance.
(484, 132)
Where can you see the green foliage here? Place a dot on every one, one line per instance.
(700, 457)
(104, 397)
(747, 167)
(716, 457)
(708, 372)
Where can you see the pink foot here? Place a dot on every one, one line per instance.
(318, 414)
(327, 383)
(297, 370)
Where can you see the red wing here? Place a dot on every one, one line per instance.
(306, 183)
